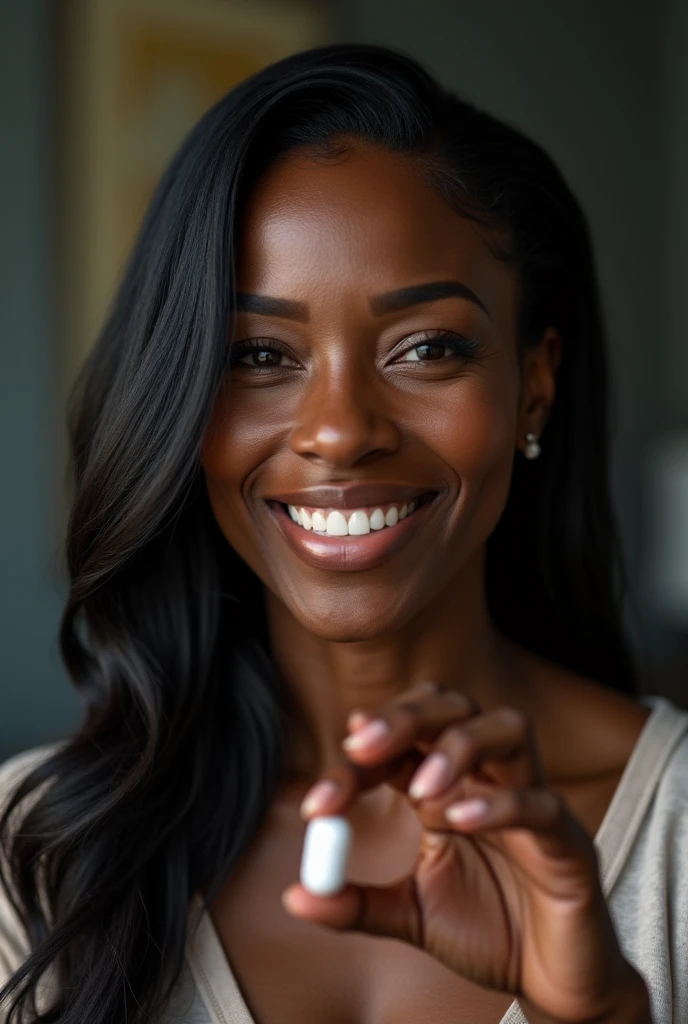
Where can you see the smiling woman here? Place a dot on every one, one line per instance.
(342, 545)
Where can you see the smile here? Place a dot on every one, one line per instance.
(351, 539)
(336, 523)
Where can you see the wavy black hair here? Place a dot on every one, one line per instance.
(183, 743)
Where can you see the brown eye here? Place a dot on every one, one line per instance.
(259, 357)
(425, 352)
(441, 345)
(431, 350)
(263, 357)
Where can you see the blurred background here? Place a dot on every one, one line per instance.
(97, 94)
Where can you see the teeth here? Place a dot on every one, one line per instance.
(377, 519)
(392, 517)
(337, 525)
(359, 524)
(319, 522)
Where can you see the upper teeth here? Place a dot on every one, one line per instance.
(336, 524)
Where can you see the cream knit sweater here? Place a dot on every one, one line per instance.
(642, 845)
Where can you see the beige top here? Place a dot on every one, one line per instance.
(642, 846)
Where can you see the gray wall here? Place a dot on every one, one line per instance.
(36, 703)
(588, 80)
(675, 214)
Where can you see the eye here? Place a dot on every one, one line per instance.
(442, 345)
(259, 355)
(428, 350)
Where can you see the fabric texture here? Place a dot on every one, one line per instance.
(642, 846)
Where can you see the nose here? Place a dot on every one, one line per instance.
(343, 421)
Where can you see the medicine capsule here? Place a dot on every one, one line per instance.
(325, 855)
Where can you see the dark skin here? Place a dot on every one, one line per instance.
(345, 392)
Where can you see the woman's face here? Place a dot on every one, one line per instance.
(375, 367)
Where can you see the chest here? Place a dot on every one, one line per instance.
(290, 971)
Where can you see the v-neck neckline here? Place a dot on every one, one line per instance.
(617, 832)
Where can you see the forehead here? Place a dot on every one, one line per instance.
(366, 220)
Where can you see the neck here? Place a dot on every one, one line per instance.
(451, 641)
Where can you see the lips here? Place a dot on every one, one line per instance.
(352, 552)
(350, 496)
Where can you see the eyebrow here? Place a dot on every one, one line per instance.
(265, 305)
(389, 302)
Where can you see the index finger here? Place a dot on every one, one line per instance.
(414, 717)
(339, 787)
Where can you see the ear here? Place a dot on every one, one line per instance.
(539, 365)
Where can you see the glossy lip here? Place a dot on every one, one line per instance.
(348, 554)
(349, 496)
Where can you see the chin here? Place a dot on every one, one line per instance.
(345, 632)
(353, 617)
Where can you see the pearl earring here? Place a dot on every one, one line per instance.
(532, 448)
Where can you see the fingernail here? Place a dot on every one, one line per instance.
(356, 719)
(466, 811)
(371, 732)
(317, 796)
(288, 899)
(431, 777)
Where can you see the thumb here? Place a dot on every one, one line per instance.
(390, 910)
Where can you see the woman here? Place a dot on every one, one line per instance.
(342, 543)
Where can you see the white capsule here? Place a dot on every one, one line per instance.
(325, 855)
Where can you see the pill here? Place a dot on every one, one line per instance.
(325, 855)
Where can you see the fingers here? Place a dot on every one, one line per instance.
(537, 817)
(483, 806)
(390, 910)
(412, 719)
(387, 746)
(534, 826)
(337, 791)
(446, 726)
(499, 743)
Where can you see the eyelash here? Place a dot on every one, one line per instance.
(458, 343)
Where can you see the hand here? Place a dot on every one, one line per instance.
(510, 899)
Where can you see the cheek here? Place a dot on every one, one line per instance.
(475, 427)
(240, 438)
(475, 434)
(241, 435)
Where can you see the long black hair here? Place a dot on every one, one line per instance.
(183, 743)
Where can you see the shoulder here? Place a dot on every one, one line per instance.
(652, 827)
(17, 767)
(14, 946)
(660, 770)
(650, 898)
(672, 789)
